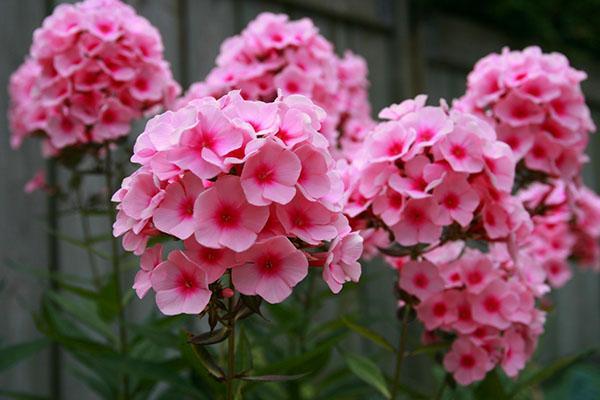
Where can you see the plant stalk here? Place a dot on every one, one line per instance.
(86, 229)
(230, 351)
(116, 270)
(401, 351)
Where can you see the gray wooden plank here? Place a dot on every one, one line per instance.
(209, 23)
(22, 235)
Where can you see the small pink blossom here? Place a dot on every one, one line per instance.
(342, 263)
(467, 363)
(417, 223)
(175, 214)
(225, 219)
(270, 269)
(421, 279)
(180, 285)
(494, 305)
(270, 175)
(309, 221)
(457, 200)
(37, 182)
(148, 262)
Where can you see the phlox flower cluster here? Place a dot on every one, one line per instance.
(566, 228)
(483, 302)
(88, 75)
(428, 175)
(273, 53)
(535, 102)
(248, 187)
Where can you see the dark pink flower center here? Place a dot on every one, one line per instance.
(264, 174)
(227, 216)
(421, 281)
(439, 309)
(451, 201)
(458, 152)
(292, 87)
(186, 283)
(474, 277)
(491, 304)
(467, 361)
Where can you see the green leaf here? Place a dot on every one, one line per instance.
(12, 355)
(208, 361)
(490, 388)
(369, 334)
(81, 244)
(549, 371)
(244, 359)
(213, 337)
(43, 273)
(429, 348)
(21, 395)
(366, 370)
(273, 378)
(84, 312)
(309, 359)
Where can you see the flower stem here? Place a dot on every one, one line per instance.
(85, 228)
(116, 270)
(401, 351)
(230, 351)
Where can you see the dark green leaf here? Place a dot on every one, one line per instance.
(369, 334)
(549, 371)
(253, 303)
(84, 312)
(21, 395)
(244, 352)
(273, 378)
(208, 361)
(366, 370)
(12, 355)
(213, 337)
(490, 388)
(429, 348)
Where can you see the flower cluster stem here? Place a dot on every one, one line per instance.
(230, 352)
(116, 270)
(400, 351)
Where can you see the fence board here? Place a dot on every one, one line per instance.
(22, 236)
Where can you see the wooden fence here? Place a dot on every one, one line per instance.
(407, 54)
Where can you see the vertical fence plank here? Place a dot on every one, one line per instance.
(22, 236)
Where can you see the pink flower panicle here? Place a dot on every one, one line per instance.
(93, 68)
(486, 302)
(273, 53)
(428, 175)
(242, 195)
(535, 101)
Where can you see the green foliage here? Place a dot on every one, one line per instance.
(556, 24)
(368, 371)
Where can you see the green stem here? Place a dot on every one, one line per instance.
(86, 229)
(401, 351)
(230, 352)
(116, 270)
(440, 392)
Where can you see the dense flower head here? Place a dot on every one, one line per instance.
(485, 303)
(248, 186)
(93, 68)
(273, 53)
(535, 101)
(428, 175)
(566, 229)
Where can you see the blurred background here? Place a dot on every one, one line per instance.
(411, 47)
